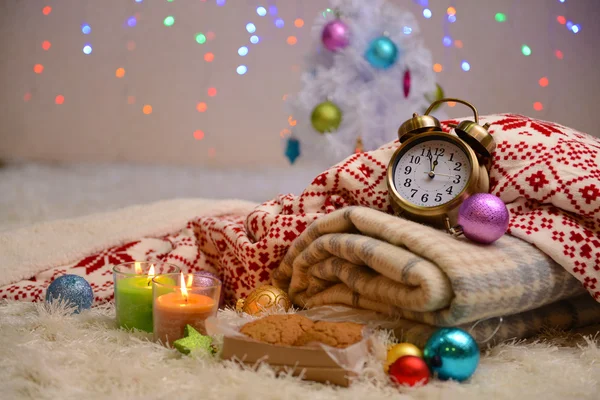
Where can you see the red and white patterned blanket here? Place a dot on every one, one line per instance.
(548, 174)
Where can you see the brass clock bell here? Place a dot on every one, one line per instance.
(433, 172)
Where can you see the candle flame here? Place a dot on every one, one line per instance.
(190, 280)
(151, 271)
(184, 291)
(138, 267)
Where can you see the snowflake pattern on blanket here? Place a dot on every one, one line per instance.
(547, 174)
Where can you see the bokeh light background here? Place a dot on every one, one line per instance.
(204, 82)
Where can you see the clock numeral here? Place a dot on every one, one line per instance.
(415, 159)
(438, 197)
(451, 157)
(424, 198)
(407, 182)
(424, 154)
(457, 180)
(439, 151)
(457, 166)
(449, 190)
(414, 191)
(407, 170)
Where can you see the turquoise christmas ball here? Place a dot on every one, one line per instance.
(451, 353)
(72, 289)
(382, 53)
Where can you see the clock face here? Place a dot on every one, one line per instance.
(432, 172)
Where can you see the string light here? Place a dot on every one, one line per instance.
(543, 82)
(131, 21)
(561, 20)
(169, 21)
(212, 92)
(130, 99)
(447, 41)
(438, 67)
(273, 10)
(299, 23)
(86, 29)
(279, 23)
(576, 28)
(451, 11)
(212, 152)
(427, 13)
(120, 72)
(38, 68)
(241, 70)
(500, 17)
(559, 54)
(458, 44)
(60, 99)
(46, 45)
(292, 40)
(220, 3)
(198, 135)
(201, 107)
(452, 18)
(569, 25)
(242, 51)
(87, 49)
(465, 66)
(147, 109)
(27, 97)
(254, 39)
(250, 27)
(209, 57)
(407, 30)
(451, 104)
(526, 50)
(537, 106)
(200, 38)
(210, 35)
(261, 11)
(46, 10)
(131, 45)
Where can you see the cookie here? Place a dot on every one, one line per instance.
(278, 329)
(334, 334)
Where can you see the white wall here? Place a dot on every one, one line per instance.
(242, 123)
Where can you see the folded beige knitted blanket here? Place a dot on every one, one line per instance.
(369, 259)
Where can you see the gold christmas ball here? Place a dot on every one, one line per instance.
(401, 350)
(326, 117)
(263, 298)
(437, 94)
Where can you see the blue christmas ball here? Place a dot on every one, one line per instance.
(451, 353)
(72, 289)
(382, 53)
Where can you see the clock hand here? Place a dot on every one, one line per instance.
(437, 173)
(431, 166)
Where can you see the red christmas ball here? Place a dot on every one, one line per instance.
(409, 370)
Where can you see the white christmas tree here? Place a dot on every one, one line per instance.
(368, 72)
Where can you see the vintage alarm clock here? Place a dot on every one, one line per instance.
(433, 172)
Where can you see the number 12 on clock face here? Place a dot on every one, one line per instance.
(431, 172)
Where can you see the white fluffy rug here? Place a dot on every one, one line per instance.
(48, 354)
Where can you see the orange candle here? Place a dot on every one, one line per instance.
(181, 307)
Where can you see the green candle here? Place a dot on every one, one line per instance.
(133, 302)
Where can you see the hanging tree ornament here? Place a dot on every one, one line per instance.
(483, 218)
(434, 96)
(335, 35)
(326, 117)
(406, 83)
(382, 52)
(264, 298)
(292, 149)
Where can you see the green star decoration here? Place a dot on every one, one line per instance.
(194, 340)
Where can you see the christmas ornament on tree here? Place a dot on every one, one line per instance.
(292, 149)
(401, 350)
(436, 95)
(264, 298)
(336, 35)
(406, 83)
(194, 340)
(409, 371)
(382, 53)
(451, 353)
(483, 218)
(326, 117)
(72, 289)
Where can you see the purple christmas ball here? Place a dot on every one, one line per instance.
(483, 218)
(336, 35)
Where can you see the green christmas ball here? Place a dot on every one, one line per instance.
(326, 117)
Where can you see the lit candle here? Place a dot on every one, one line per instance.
(133, 300)
(181, 307)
